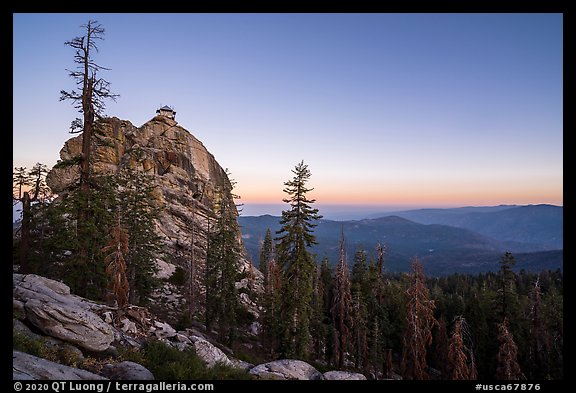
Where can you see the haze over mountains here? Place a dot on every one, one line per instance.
(538, 224)
(463, 240)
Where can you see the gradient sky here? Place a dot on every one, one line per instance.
(405, 110)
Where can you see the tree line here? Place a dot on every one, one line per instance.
(501, 325)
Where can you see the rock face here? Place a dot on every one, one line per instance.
(25, 366)
(285, 369)
(187, 175)
(50, 307)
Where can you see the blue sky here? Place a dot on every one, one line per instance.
(397, 110)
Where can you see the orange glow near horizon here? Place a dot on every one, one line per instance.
(481, 187)
(417, 196)
(407, 195)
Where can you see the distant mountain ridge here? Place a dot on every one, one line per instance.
(443, 249)
(534, 224)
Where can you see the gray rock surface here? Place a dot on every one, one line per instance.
(285, 369)
(164, 330)
(128, 326)
(343, 376)
(28, 367)
(49, 306)
(241, 364)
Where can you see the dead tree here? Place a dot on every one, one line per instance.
(419, 323)
(89, 96)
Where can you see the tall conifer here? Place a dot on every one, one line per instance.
(294, 238)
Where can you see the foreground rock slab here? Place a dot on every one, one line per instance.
(50, 307)
(28, 367)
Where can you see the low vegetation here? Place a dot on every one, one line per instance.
(168, 363)
(165, 362)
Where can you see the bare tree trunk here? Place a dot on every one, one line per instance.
(25, 232)
(191, 293)
(88, 110)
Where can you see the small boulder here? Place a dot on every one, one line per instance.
(183, 338)
(164, 330)
(241, 364)
(128, 326)
(128, 371)
(285, 369)
(210, 354)
(343, 376)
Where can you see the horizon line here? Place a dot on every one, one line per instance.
(349, 211)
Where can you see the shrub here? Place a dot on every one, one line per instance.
(167, 363)
(42, 349)
(221, 371)
(28, 345)
(184, 321)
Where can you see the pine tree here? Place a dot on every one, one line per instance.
(342, 307)
(20, 181)
(35, 180)
(377, 317)
(272, 296)
(89, 99)
(507, 358)
(295, 236)
(327, 289)
(318, 328)
(420, 321)
(553, 315)
(483, 316)
(272, 302)
(360, 295)
(73, 242)
(266, 253)
(359, 272)
(539, 341)
(136, 201)
(381, 250)
(506, 289)
(69, 236)
(222, 266)
(395, 314)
